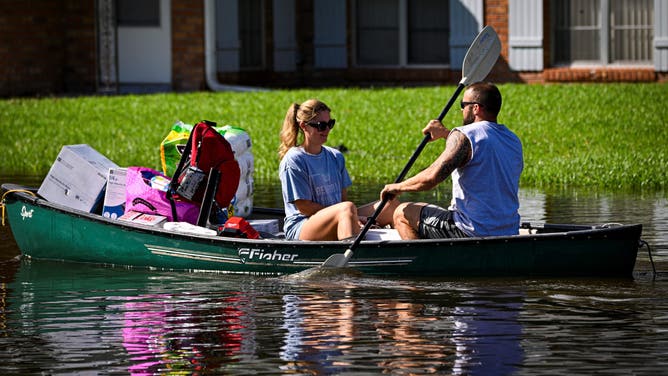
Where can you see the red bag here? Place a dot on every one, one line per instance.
(207, 149)
(237, 227)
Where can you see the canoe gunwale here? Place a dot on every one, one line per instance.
(573, 230)
(534, 254)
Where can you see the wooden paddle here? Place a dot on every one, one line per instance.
(479, 60)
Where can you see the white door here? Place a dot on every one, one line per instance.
(144, 45)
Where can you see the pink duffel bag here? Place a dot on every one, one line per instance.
(141, 197)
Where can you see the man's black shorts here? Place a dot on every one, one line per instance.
(436, 223)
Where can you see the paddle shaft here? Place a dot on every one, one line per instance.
(407, 168)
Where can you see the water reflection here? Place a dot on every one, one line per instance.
(82, 317)
(407, 344)
(317, 333)
(165, 332)
(63, 317)
(69, 318)
(143, 327)
(448, 333)
(488, 336)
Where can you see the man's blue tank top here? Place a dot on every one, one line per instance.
(485, 191)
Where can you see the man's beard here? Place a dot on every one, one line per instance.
(468, 119)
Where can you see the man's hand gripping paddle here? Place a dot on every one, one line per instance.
(478, 62)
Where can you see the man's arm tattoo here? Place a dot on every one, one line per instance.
(458, 151)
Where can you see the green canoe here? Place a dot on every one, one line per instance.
(44, 230)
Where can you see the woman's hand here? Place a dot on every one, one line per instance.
(307, 207)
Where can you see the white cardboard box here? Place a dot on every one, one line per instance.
(114, 196)
(382, 234)
(265, 225)
(77, 178)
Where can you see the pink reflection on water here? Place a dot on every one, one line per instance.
(144, 326)
(164, 335)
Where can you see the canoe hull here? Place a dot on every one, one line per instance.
(48, 231)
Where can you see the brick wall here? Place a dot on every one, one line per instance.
(80, 69)
(496, 16)
(46, 47)
(188, 55)
(31, 47)
(599, 75)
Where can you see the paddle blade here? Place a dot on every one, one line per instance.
(481, 56)
(338, 260)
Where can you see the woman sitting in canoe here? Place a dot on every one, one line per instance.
(314, 179)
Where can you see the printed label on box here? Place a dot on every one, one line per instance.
(114, 198)
(149, 219)
(129, 216)
(142, 218)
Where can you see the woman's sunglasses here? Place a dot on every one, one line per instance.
(323, 125)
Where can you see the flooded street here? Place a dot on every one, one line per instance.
(65, 318)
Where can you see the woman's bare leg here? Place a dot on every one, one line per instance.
(334, 222)
(386, 215)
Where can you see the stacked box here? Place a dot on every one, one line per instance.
(77, 178)
(265, 225)
(114, 197)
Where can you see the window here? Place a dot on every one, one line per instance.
(377, 32)
(250, 34)
(402, 32)
(603, 31)
(631, 30)
(428, 32)
(138, 13)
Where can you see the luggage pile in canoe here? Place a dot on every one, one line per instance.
(207, 177)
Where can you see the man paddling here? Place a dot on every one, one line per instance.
(485, 161)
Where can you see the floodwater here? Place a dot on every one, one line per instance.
(62, 318)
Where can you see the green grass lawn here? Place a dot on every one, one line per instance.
(609, 136)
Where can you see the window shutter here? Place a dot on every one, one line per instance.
(525, 41)
(329, 29)
(466, 18)
(660, 35)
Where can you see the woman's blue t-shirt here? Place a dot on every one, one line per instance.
(316, 177)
